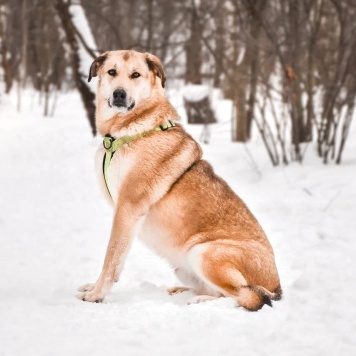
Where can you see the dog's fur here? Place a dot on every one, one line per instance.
(163, 191)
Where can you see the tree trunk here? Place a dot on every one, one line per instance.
(4, 51)
(150, 24)
(194, 49)
(219, 44)
(86, 94)
(246, 79)
(252, 56)
(23, 66)
(241, 113)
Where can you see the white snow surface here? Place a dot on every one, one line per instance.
(54, 229)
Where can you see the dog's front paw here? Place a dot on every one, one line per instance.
(87, 287)
(89, 294)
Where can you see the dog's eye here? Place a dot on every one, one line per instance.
(135, 75)
(112, 72)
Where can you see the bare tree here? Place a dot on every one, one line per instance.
(8, 77)
(71, 33)
(288, 66)
(193, 46)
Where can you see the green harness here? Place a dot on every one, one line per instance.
(111, 145)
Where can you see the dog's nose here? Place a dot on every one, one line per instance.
(119, 97)
(119, 94)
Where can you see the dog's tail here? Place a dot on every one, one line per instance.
(254, 298)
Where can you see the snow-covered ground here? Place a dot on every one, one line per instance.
(54, 228)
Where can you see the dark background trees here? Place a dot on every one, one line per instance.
(288, 66)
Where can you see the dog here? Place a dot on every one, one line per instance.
(164, 192)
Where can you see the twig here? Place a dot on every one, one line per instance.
(327, 206)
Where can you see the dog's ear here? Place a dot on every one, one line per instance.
(155, 65)
(98, 62)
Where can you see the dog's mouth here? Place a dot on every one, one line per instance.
(122, 108)
(131, 106)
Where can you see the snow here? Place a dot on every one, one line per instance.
(195, 92)
(55, 224)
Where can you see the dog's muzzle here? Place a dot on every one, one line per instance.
(120, 100)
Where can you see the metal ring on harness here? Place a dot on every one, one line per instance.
(164, 128)
(108, 140)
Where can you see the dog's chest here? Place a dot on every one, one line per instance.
(161, 241)
(120, 165)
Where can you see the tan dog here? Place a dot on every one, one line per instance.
(163, 191)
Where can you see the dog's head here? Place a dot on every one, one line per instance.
(126, 78)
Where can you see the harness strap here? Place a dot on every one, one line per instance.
(111, 145)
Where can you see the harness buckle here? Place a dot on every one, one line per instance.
(164, 128)
(107, 142)
(169, 125)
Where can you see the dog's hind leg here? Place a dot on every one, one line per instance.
(201, 299)
(192, 283)
(185, 278)
(177, 290)
(231, 269)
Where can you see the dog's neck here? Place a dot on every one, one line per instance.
(149, 114)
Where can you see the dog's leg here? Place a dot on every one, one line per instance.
(193, 283)
(201, 299)
(86, 287)
(125, 220)
(177, 290)
(219, 265)
(185, 278)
